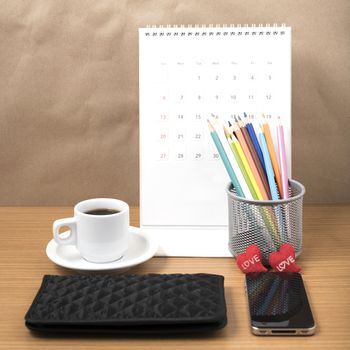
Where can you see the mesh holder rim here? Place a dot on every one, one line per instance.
(293, 186)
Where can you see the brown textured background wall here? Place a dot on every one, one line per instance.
(69, 93)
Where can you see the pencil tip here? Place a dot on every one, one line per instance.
(210, 125)
(229, 123)
(245, 114)
(227, 133)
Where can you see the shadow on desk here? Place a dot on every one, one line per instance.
(131, 335)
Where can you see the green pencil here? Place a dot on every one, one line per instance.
(241, 166)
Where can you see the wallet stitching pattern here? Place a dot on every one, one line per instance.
(129, 299)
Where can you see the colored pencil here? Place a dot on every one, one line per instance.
(225, 160)
(219, 128)
(255, 141)
(273, 157)
(255, 157)
(233, 144)
(247, 167)
(284, 175)
(283, 161)
(235, 128)
(269, 170)
(272, 184)
(267, 215)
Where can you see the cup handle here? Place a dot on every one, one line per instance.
(72, 224)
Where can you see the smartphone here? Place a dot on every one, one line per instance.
(278, 304)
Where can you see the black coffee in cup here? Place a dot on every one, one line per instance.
(102, 211)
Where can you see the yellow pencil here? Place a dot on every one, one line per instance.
(247, 168)
(245, 163)
(241, 166)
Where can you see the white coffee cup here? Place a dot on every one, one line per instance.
(99, 238)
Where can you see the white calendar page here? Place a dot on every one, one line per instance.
(186, 75)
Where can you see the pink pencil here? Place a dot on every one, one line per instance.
(283, 161)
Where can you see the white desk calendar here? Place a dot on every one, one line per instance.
(186, 75)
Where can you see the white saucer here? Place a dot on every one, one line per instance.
(141, 248)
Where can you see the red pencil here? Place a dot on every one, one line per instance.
(255, 156)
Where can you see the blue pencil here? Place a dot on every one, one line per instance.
(225, 160)
(255, 141)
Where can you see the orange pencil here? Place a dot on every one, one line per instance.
(273, 157)
(248, 155)
(254, 155)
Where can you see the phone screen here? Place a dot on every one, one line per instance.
(278, 301)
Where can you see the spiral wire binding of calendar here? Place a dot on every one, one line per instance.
(217, 30)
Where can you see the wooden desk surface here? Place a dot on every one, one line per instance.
(24, 233)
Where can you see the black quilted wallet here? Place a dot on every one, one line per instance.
(154, 303)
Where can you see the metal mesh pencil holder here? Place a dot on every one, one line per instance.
(268, 224)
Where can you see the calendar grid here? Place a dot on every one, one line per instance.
(188, 73)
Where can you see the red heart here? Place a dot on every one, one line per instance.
(284, 259)
(250, 261)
